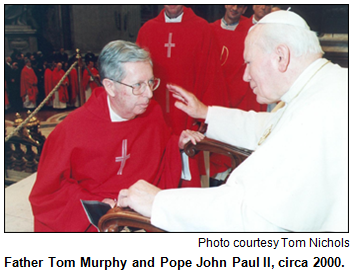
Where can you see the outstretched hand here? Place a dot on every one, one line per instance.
(139, 197)
(188, 102)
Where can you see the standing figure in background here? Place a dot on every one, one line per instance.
(260, 11)
(231, 31)
(74, 90)
(89, 83)
(29, 89)
(183, 50)
(61, 96)
(48, 82)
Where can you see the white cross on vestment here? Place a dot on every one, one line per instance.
(123, 157)
(169, 45)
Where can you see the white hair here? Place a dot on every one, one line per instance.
(301, 41)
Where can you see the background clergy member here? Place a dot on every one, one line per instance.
(230, 32)
(118, 137)
(297, 178)
(29, 89)
(183, 51)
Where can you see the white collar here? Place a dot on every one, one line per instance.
(226, 26)
(113, 116)
(173, 20)
(254, 21)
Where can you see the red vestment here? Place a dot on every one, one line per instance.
(48, 83)
(184, 54)
(62, 90)
(231, 50)
(7, 102)
(87, 79)
(29, 84)
(89, 157)
(74, 90)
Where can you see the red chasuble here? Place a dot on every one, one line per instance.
(89, 157)
(74, 90)
(29, 84)
(62, 90)
(231, 50)
(87, 79)
(184, 54)
(48, 82)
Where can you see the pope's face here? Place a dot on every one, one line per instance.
(260, 71)
(124, 102)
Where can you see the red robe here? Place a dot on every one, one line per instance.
(190, 61)
(62, 90)
(74, 90)
(7, 102)
(184, 54)
(89, 157)
(231, 50)
(29, 84)
(48, 82)
(87, 80)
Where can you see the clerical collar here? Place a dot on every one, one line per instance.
(173, 20)
(113, 116)
(227, 26)
(254, 21)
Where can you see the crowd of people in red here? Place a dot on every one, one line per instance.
(31, 77)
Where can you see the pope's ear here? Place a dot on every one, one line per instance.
(283, 57)
(109, 85)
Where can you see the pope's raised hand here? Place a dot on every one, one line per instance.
(188, 102)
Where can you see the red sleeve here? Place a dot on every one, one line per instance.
(55, 195)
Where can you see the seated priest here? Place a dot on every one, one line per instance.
(116, 138)
(297, 177)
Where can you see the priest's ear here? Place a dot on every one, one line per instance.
(283, 57)
(109, 87)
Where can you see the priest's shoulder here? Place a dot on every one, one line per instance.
(246, 22)
(216, 23)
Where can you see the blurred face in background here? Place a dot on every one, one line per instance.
(234, 12)
(261, 10)
(173, 11)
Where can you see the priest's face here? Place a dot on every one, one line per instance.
(173, 11)
(123, 101)
(261, 10)
(261, 71)
(233, 13)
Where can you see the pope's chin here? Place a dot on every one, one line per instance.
(262, 100)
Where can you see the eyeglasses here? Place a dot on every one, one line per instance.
(139, 88)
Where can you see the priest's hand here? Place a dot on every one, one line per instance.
(188, 102)
(109, 201)
(139, 197)
(188, 135)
